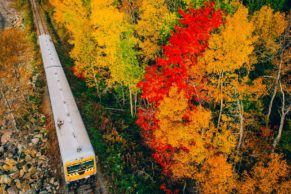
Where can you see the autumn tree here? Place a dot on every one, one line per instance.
(283, 62)
(15, 73)
(255, 5)
(131, 8)
(74, 16)
(269, 176)
(155, 19)
(227, 5)
(217, 176)
(229, 83)
(269, 27)
(115, 35)
(103, 45)
(176, 127)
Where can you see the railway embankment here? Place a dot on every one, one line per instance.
(26, 151)
(24, 164)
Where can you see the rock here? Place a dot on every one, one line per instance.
(18, 184)
(2, 189)
(12, 148)
(1, 149)
(14, 175)
(39, 136)
(9, 164)
(56, 183)
(52, 181)
(12, 190)
(6, 137)
(7, 167)
(35, 140)
(33, 153)
(4, 179)
(26, 188)
(27, 176)
(48, 188)
(32, 170)
(20, 149)
(43, 157)
(27, 158)
(38, 154)
(10, 161)
(21, 173)
(34, 161)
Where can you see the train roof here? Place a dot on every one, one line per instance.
(72, 136)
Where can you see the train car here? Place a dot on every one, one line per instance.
(77, 154)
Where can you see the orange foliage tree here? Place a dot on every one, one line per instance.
(269, 176)
(15, 73)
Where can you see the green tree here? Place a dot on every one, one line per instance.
(254, 5)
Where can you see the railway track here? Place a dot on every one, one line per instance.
(39, 22)
(41, 29)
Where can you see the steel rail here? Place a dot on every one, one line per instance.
(38, 19)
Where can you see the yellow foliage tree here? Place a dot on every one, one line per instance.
(103, 43)
(268, 27)
(271, 44)
(108, 23)
(74, 16)
(227, 62)
(192, 129)
(155, 19)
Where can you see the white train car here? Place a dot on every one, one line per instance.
(77, 154)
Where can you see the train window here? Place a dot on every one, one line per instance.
(80, 167)
(74, 168)
(88, 164)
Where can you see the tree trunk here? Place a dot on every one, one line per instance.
(241, 130)
(135, 102)
(275, 88)
(184, 187)
(221, 100)
(284, 112)
(123, 97)
(97, 87)
(272, 99)
(131, 103)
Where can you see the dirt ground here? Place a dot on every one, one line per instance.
(8, 15)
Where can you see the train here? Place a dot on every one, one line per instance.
(79, 161)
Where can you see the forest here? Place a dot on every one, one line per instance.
(207, 84)
(180, 96)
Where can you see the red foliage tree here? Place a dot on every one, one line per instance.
(187, 43)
